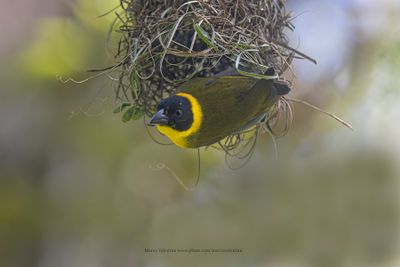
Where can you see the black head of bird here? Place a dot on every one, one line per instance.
(174, 112)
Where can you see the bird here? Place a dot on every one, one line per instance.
(206, 110)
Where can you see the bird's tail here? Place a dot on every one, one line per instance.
(281, 88)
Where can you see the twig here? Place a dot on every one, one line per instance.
(348, 125)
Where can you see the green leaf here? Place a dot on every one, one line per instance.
(121, 108)
(133, 113)
(252, 74)
(204, 35)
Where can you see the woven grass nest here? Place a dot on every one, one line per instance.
(167, 42)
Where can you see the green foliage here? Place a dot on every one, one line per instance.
(133, 113)
(60, 47)
(96, 14)
(121, 108)
(129, 112)
(64, 46)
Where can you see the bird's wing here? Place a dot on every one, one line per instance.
(227, 86)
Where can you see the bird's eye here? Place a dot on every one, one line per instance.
(179, 112)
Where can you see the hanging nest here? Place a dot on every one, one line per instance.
(167, 42)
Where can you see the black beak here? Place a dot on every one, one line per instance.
(159, 118)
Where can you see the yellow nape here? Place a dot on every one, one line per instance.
(180, 137)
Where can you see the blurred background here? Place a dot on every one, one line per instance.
(78, 187)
